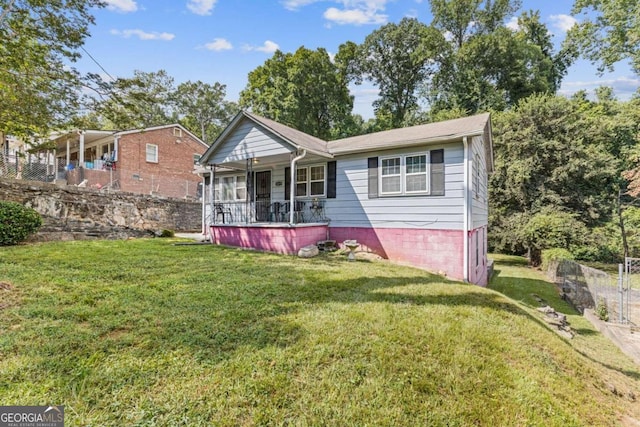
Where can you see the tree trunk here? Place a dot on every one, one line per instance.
(625, 244)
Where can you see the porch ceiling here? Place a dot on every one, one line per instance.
(91, 138)
(271, 161)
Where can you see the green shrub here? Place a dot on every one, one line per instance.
(17, 222)
(167, 233)
(550, 229)
(554, 254)
(602, 311)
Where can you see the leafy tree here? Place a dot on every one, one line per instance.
(548, 155)
(135, 103)
(539, 68)
(609, 33)
(549, 229)
(304, 90)
(398, 59)
(488, 66)
(463, 19)
(38, 90)
(202, 106)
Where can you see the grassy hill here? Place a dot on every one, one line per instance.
(144, 332)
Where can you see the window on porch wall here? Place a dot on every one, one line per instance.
(241, 187)
(310, 181)
(230, 188)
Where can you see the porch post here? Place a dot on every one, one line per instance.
(81, 153)
(212, 179)
(292, 190)
(204, 205)
(247, 208)
(68, 152)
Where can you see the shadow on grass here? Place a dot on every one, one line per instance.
(532, 292)
(210, 303)
(241, 301)
(525, 290)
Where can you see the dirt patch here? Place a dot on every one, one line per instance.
(117, 333)
(5, 287)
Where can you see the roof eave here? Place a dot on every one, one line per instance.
(403, 143)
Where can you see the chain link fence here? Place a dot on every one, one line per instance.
(585, 287)
(112, 178)
(631, 285)
(30, 167)
(100, 176)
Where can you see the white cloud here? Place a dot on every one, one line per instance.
(201, 7)
(123, 6)
(513, 24)
(143, 35)
(623, 87)
(218, 45)
(267, 47)
(412, 13)
(563, 22)
(351, 12)
(296, 4)
(354, 16)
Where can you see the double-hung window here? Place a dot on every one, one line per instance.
(416, 174)
(391, 176)
(231, 188)
(311, 181)
(301, 182)
(404, 174)
(316, 181)
(241, 187)
(152, 153)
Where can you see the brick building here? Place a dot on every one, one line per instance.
(158, 160)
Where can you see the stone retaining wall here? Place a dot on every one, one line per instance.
(73, 213)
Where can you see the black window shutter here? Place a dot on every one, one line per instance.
(373, 177)
(331, 180)
(437, 172)
(287, 183)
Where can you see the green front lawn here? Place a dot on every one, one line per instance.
(144, 332)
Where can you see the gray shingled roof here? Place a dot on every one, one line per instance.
(430, 133)
(450, 130)
(293, 136)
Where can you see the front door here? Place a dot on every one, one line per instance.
(263, 195)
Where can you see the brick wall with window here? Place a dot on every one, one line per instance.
(159, 162)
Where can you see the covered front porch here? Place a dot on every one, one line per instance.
(266, 186)
(266, 219)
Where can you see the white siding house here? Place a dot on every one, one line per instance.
(415, 195)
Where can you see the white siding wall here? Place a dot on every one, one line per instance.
(248, 141)
(277, 175)
(353, 208)
(479, 198)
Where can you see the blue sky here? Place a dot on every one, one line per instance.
(223, 40)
